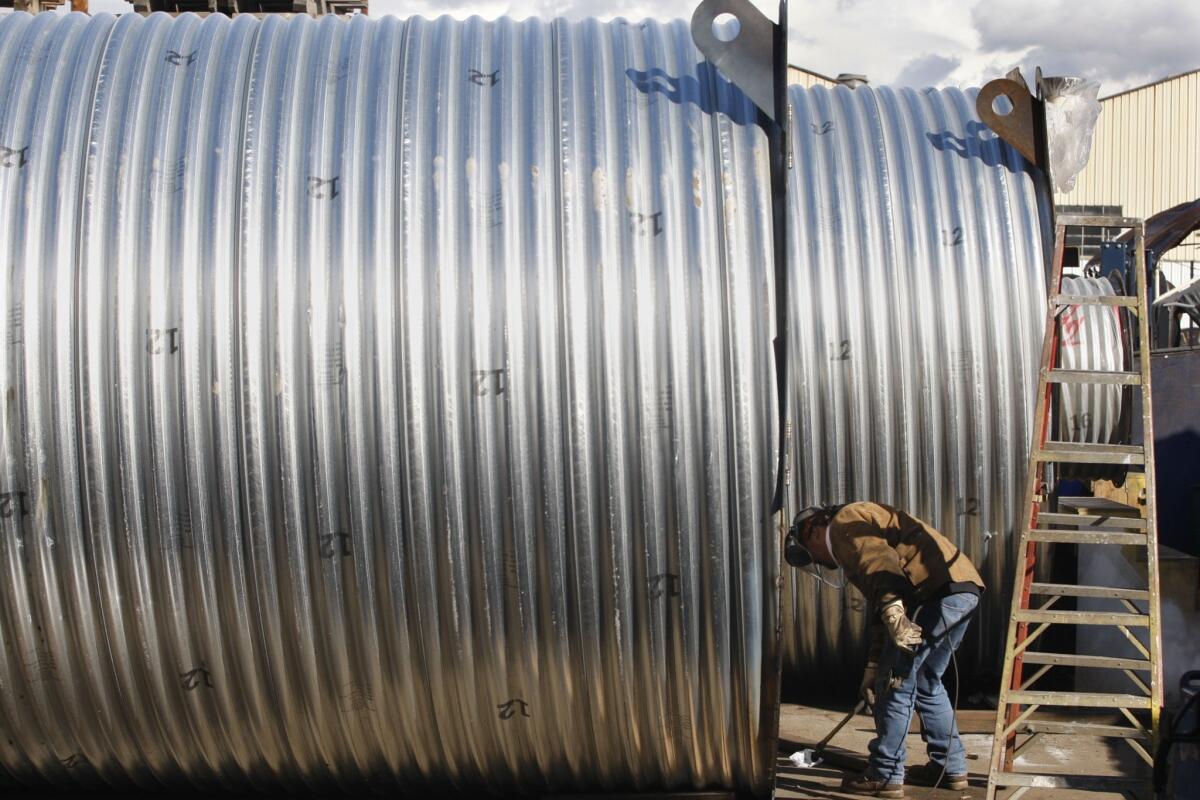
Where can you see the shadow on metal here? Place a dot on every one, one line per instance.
(710, 92)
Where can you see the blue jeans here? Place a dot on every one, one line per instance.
(944, 622)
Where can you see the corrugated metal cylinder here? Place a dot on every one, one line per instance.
(1093, 338)
(919, 295)
(389, 404)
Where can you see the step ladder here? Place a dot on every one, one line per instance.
(1022, 716)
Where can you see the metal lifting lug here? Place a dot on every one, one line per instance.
(752, 52)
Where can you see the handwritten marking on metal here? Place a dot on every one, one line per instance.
(968, 507)
(15, 502)
(646, 224)
(324, 188)
(14, 158)
(665, 584)
(488, 79)
(335, 544)
(162, 340)
(1070, 322)
(952, 237)
(489, 381)
(195, 678)
(510, 709)
(181, 60)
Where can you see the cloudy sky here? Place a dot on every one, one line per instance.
(923, 42)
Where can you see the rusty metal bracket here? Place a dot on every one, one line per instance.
(748, 56)
(1023, 126)
(752, 51)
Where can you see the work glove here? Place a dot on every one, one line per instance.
(904, 633)
(866, 691)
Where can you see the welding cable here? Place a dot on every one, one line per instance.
(819, 577)
(957, 689)
(887, 685)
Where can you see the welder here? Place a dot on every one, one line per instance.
(922, 590)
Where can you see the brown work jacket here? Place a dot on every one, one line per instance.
(891, 555)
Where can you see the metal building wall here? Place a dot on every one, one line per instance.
(1144, 155)
(918, 289)
(798, 76)
(389, 403)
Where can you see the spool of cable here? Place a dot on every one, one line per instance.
(1093, 337)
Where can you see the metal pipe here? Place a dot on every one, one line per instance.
(919, 292)
(390, 400)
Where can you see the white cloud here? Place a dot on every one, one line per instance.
(1121, 44)
(930, 69)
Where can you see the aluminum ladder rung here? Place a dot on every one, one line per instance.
(1096, 221)
(1092, 521)
(1075, 660)
(1077, 699)
(1082, 729)
(1093, 783)
(1077, 590)
(1084, 537)
(1087, 453)
(1083, 617)
(1121, 300)
(1087, 376)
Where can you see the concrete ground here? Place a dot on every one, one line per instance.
(802, 726)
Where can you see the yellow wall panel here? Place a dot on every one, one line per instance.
(1146, 153)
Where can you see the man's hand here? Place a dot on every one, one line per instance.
(904, 633)
(866, 691)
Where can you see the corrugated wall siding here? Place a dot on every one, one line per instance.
(388, 404)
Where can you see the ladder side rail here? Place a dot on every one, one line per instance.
(1153, 608)
(1027, 550)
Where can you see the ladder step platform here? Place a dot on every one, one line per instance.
(1078, 699)
(1076, 590)
(1121, 300)
(1080, 220)
(1093, 376)
(1087, 453)
(1091, 521)
(1089, 783)
(1083, 618)
(1083, 729)
(1085, 537)
(1076, 660)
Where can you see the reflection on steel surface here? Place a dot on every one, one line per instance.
(390, 402)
